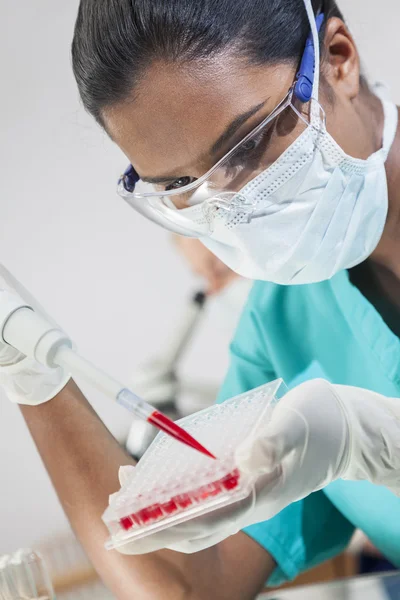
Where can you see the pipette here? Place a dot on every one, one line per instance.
(67, 358)
(35, 336)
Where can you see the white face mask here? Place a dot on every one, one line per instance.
(317, 211)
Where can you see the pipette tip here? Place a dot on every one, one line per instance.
(164, 423)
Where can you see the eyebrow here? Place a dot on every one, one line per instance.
(234, 126)
(229, 132)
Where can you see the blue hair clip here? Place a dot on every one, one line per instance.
(305, 77)
(129, 179)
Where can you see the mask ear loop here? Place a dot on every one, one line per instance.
(317, 117)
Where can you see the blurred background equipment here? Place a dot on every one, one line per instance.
(159, 383)
(60, 570)
(24, 576)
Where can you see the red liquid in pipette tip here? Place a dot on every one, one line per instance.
(169, 427)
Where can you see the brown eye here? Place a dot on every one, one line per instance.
(182, 182)
(249, 145)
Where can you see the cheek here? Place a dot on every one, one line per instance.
(349, 130)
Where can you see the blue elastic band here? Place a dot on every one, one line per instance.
(305, 77)
(129, 179)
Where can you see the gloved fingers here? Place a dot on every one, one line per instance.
(112, 497)
(179, 534)
(125, 473)
(181, 544)
(10, 283)
(215, 527)
(287, 486)
(27, 365)
(152, 543)
(242, 514)
(268, 482)
(201, 543)
(262, 453)
(31, 383)
(9, 355)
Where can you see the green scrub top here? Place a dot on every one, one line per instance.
(327, 330)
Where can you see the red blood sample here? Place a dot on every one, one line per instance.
(143, 516)
(217, 487)
(169, 507)
(205, 492)
(157, 511)
(183, 500)
(197, 495)
(126, 523)
(231, 480)
(150, 513)
(168, 426)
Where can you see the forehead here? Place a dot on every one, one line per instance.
(177, 111)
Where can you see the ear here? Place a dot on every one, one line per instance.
(341, 59)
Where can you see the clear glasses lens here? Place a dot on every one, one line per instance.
(258, 151)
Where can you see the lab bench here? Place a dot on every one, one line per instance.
(384, 587)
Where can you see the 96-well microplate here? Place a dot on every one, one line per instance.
(173, 483)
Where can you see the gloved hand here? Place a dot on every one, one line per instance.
(318, 433)
(23, 379)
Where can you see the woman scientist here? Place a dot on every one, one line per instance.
(291, 176)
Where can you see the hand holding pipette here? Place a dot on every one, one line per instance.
(37, 358)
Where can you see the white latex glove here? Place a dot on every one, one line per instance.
(24, 380)
(318, 433)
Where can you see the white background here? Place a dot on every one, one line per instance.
(112, 279)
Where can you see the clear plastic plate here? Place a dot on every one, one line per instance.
(173, 483)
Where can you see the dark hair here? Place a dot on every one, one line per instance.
(115, 41)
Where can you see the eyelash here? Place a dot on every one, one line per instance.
(170, 186)
(237, 160)
(243, 156)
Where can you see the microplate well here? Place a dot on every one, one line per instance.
(173, 483)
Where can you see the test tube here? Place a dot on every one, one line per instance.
(29, 576)
(7, 588)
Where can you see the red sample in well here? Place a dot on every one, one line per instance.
(150, 513)
(126, 523)
(183, 500)
(169, 507)
(155, 512)
(231, 481)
